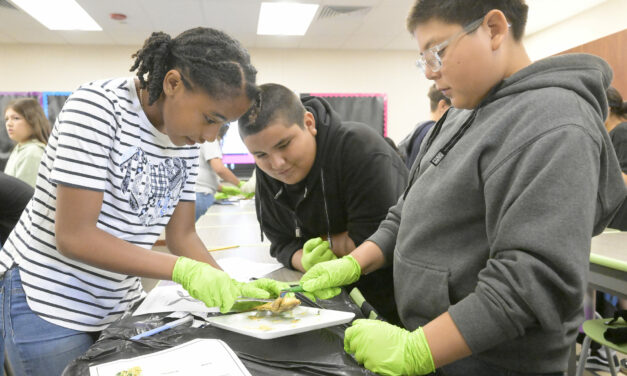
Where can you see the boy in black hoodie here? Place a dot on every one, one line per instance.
(319, 176)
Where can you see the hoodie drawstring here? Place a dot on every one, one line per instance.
(326, 209)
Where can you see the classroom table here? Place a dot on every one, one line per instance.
(318, 352)
(608, 263)
(236, 224)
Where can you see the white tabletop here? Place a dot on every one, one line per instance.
(236, 224)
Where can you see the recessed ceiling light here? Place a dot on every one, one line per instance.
(285, 18)
(59, 14)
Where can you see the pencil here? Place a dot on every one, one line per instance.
(222, 248)
(167, 326)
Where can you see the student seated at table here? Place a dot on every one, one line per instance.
(210, 169)
(320, 177)
(616, 125)
(491, 240)
(410, 145)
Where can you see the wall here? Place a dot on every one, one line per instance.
(612, 48)
(389, 72)
(605, 19)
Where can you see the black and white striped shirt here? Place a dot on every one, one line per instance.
(101, 141)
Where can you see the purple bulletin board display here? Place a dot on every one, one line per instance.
(380, 125)
(17, 94)
(237, 158)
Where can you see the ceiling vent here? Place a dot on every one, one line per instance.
(6, 4)
(331, 11)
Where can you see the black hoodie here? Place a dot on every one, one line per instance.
(354, 180)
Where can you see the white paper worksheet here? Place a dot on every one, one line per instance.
(171, 297)
(197, 357)
(243, 270)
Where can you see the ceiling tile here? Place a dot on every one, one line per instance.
(382, 27)
(277, 41)
(328, 41)
(86, 37)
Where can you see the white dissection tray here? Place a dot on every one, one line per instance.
(266, 326)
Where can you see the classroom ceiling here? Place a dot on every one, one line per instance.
(373, 24)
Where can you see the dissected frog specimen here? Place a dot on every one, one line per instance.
(279, 305)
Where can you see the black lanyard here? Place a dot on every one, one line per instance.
(441, 154)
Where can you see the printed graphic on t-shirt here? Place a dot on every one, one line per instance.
(153, 189)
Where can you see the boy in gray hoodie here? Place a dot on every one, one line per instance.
(490, 242)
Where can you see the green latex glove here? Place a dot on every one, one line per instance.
(211, 286)
(220, 196)
(269, 285)
(231, 191)
(387, 349)
(316, 251)
(325, 277)
(241, 182)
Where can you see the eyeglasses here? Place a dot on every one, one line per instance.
(431, 58)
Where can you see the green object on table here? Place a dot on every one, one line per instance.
(220, 196)
(212, 286)
(292, 289)
(387, 349)
(608, 262)
(325, 278)
(231, 191)
(316, 251)
(359, 299)
(595, 329)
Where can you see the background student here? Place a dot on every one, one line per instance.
(491, 240)
(210, 168)
(320, 177)
(616, 125)
(410, 146)
(27, 125)
(120, 167)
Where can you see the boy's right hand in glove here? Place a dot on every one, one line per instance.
(212, 286)
(325, 278)
(316, 251)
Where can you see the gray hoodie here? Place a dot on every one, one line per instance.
(498, 233)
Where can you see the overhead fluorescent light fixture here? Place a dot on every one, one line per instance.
(285, 18)
(59, 14)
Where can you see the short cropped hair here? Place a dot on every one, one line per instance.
(274, 103)
(615, 102)
(463, 12)
(435, 96)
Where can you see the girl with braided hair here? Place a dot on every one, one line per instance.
(120, 166)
